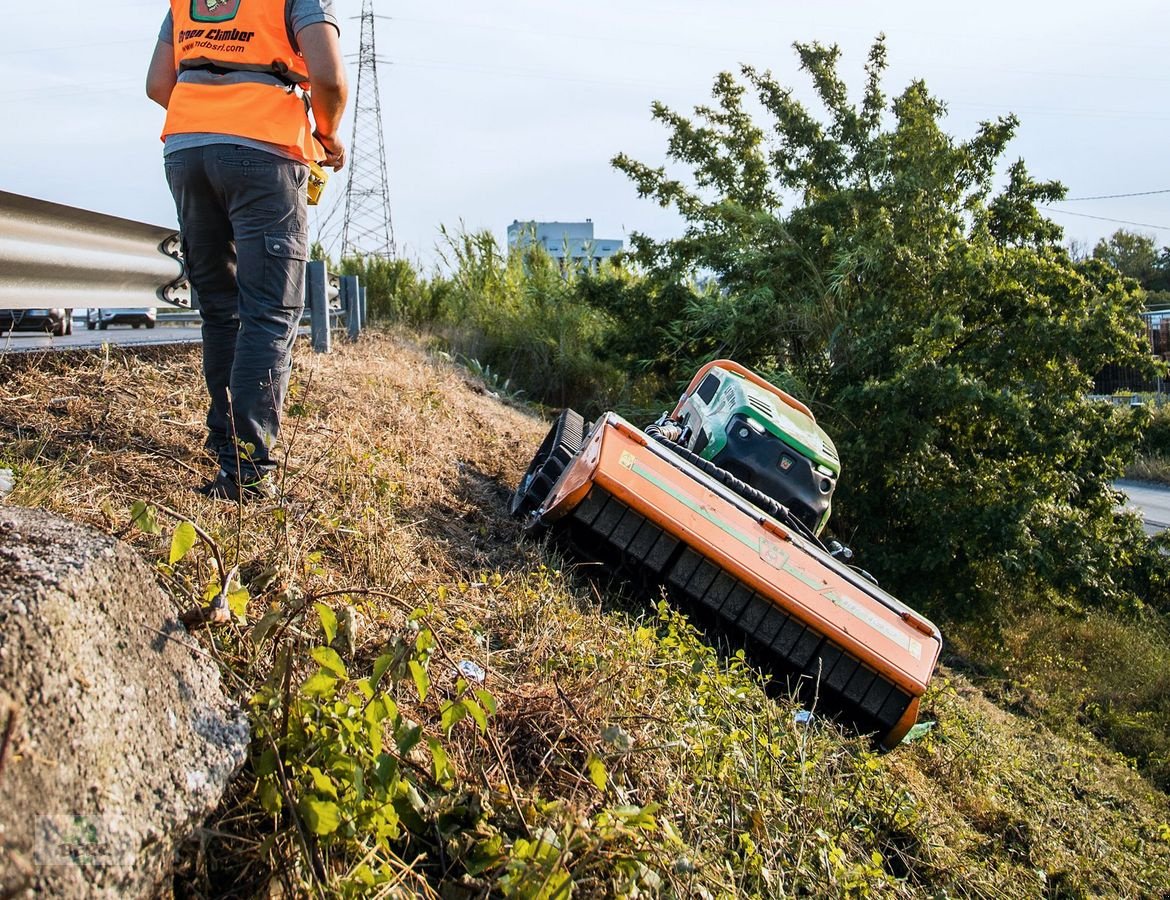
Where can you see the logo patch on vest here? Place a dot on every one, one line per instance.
(214, 10)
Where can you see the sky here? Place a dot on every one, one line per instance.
(513, 109)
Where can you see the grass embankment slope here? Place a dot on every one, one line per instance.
(608, 751)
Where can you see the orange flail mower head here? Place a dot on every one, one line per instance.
(736, 556)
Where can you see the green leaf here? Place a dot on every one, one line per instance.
(322, 782)
(377, 709)
(441, 767)
(320, 685)
(451, 712)
(322, 816)
(182, 541)
(265, 764)
(270, 797)
(386, 827)
(359, 783)
(374, 735)
(488, 701)
(364, 875)
(385, 770)
(598, 774)
(476, 712)
(145, 517)
(238, 603)
(407, 737)
(408, 804)
(485, 855)
(328, 621)
(381, 664)
(329, 660)
(421, 682)
(267, 622)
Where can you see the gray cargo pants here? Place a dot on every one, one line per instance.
(244, 226)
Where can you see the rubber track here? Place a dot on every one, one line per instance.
(606, 530)
(561, 444)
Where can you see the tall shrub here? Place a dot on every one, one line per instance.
(928, 312)
(395, 291)
(520, 313)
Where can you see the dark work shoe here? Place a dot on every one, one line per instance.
(217, 446)
(224, 487)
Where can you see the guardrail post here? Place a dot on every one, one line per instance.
(365, 313)
(351, 302)
(317, 297)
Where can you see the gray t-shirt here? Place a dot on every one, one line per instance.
(300, 14)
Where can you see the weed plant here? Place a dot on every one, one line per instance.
(520, 313)
(1095, 673)
(1153, 467)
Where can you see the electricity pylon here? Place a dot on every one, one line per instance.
(367, 230)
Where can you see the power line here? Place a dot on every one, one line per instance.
(1115, 196)
(1103, 219)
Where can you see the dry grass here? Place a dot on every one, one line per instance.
(397, 478)
(1152, 467)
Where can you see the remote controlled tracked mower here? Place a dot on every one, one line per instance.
(721, 502)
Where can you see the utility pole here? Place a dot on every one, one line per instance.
(367, 230)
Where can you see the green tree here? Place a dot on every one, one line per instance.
(933, 322)
(1131, 254)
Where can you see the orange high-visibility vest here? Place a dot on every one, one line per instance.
(237, 74)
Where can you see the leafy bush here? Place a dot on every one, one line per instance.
(937, 327)
(521, 315)
(1156, 435)
(395, 291)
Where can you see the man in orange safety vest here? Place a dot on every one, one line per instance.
(253, 90)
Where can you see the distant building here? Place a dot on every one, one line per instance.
(568, 242)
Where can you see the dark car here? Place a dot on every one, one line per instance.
(104, 318)
(54, 321)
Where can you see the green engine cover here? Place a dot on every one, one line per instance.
(764, 441)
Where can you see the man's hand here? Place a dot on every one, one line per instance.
(334, 150)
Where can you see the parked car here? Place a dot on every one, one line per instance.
(104, 318)
(54, 321)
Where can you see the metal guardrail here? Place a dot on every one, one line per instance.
(57, 256)
(53, 255)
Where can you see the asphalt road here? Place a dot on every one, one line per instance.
(164, 332)
(118, 335)
(1151, 500)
